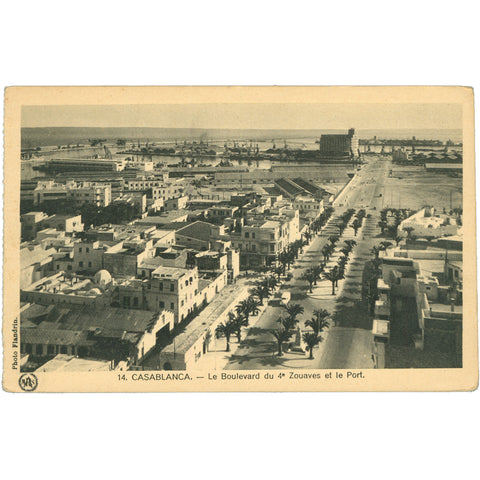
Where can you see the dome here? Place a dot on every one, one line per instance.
(103, 277)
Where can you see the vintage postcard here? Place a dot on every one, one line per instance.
(167, 239)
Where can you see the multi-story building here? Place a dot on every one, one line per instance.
(146, 183)
(80, 192)
(339, 145)
(173, 289)
(88, 256)
(262, 239)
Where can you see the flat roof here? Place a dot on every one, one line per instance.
(70, 363)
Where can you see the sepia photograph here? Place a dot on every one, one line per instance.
(170, 241)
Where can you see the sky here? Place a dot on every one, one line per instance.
(249, 116)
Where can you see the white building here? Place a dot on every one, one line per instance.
(80, 192)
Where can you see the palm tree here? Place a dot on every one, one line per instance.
(317, 271)
(350, 244)
(356, 224)
(331, 276)
(258, 292)
(318, 323)
(311, 340)
(278, 270)
(244, 308)
(282, 335)
(253, 304)
(409, 231)
(238, 321)
(294, 309)
(327, 250)
(309, 277)
(226, 329)
(288, 323)
(333, 239)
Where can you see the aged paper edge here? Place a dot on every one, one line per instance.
(462, 379)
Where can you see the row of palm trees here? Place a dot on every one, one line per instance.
(358, 220)
(318, 323)
(344, 219)
(321, 220)
(246, 308)
(238, 319)
(264, 288)
(312, 275)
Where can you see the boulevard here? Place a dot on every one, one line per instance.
(348, 341)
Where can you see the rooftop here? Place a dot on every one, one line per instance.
(70, 363)
(111, 319)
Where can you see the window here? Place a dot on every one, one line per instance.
(80, 250)
(253, 234)
(135, 301)
(254, 248)
(58, 267)
(182, 303)
(28, 348)
(172, 307)
(69, 267)
(161, 304)
(63, 349)
(39, 349)
(272, 236)
(87, 250)
(186, 283)
(80, 264)
(89, 264)
(272, 247)
(247, 234)
(160, 286)
(172, 287)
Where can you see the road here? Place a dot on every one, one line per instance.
(348, 341)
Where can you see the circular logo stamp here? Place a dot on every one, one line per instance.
(28, 382)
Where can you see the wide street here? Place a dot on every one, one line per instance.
(348, 342)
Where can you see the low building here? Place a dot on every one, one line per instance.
(36, 262)
(164, 219)
(199, 235)
(112, 334)
(31, 223)
(64, 223)
(177, 203)
(220, 212)
(427, 223)
(68, 289)
(124, 258)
